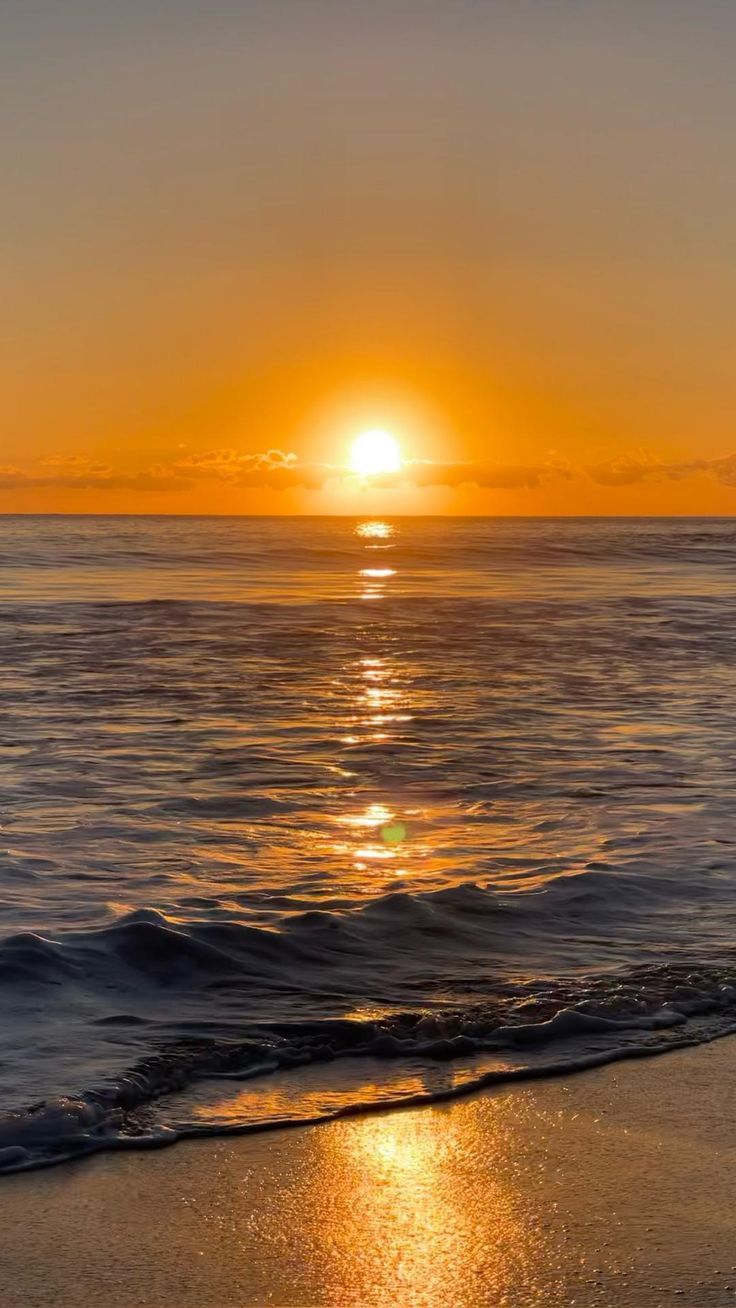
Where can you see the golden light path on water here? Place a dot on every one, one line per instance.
(388, 818)
(373, 833)
(379, 833)
(388, 841)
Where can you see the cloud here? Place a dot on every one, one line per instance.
(724, 469)
(275, 469)
(93, 477)
(490, 476)
(633, 470)
(272, 470)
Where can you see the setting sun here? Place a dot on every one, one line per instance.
(374, 452)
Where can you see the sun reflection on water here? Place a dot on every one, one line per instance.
(373, 814)
(378, 831)
(375, 530)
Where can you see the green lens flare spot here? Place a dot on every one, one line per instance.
(393, 833)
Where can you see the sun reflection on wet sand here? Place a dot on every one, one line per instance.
(521, 1199)
(404, 1214)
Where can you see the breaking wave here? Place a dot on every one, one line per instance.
(186, 989)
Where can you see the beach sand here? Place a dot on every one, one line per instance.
(616, 1186)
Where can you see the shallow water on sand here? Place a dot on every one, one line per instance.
(285, 792)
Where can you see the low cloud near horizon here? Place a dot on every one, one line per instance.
(274, 469)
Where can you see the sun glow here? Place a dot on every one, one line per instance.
(375, 452)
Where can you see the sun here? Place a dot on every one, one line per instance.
(374, 452)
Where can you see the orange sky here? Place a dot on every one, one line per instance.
(502, 230)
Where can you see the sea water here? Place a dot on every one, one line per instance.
(304, 815)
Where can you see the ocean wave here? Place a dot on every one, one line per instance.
(371, 949)
(121, 1113)
(192, 976)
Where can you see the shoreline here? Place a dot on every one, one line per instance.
(617, 1186)
(468, 1082)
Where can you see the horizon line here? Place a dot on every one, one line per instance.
(523, 517)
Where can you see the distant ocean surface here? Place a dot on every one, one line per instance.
(301, 815)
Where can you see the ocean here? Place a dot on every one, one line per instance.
(304, 816)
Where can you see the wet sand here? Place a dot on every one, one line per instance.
(615, 1187)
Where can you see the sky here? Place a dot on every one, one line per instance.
(239, 233)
